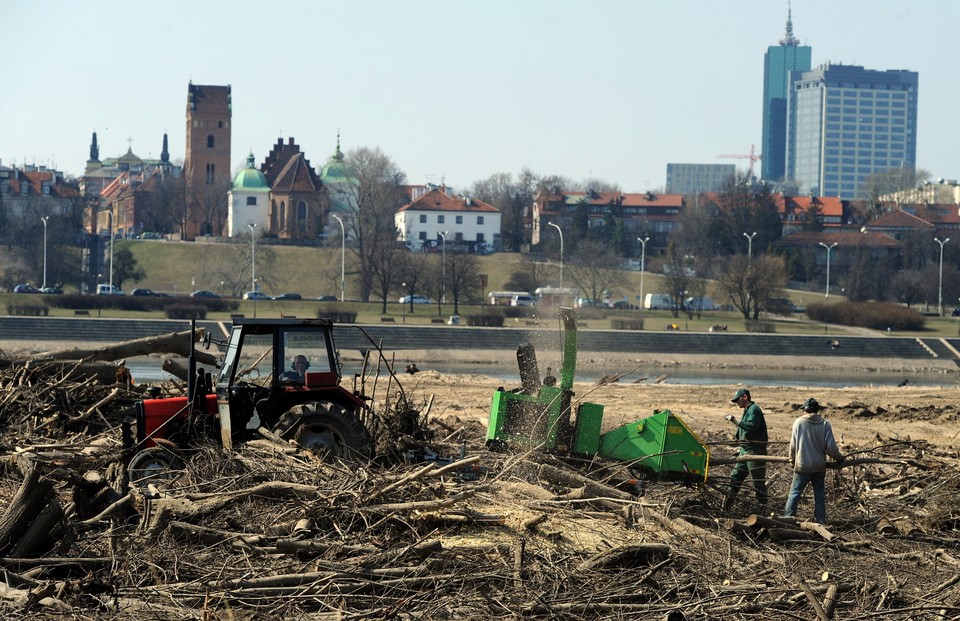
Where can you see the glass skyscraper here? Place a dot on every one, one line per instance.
(778, 62)
(845, 123)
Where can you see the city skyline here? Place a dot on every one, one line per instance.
(452, 92)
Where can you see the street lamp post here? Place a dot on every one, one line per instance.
(643, 255)
(750, 244)
(403, 307)
(44, 220)
(343, 253)
(253, 256)
(443, 264)
(557, 226)
(829, 248)
(110, 228)
(940, 290)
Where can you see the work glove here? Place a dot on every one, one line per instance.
(731, 418)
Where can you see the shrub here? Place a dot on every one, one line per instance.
(514, 312)
(873, 315)
(337, 316)
(486, 320)
(765, 327)
(185, 311)
(626, 324)
(27, 309)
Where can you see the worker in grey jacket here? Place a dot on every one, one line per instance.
(810, 442)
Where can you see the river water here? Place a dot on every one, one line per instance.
(147, 369)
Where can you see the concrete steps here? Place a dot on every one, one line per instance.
(545, 338)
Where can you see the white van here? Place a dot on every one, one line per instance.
(108, 290)
(657, 301)
(521, 299)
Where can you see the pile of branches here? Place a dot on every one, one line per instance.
(270, 531)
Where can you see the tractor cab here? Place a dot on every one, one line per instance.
(279, 374)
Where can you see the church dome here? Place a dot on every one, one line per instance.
(336, 171)
(250, 179)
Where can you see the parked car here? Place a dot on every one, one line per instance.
(144, 292)
(416, 299)
(624, 305)
(52, 290)
(203, 293)
(289, 296)
(108, 289)
(327, 298)
(25, 289)
(256, 295)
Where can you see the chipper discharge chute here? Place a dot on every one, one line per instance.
(537, 415)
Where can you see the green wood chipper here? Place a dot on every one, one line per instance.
(546, 416)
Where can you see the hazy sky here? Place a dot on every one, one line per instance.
(452, 90)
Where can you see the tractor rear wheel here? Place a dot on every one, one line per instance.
(328, 429)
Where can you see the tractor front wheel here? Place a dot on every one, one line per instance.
(157, 465)
(328, 429)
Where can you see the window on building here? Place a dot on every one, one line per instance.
(211, 173)
(210, 141)
(422, 236)
(439, 219)
(283, 215)
(459, 219)
(302, 215)
(458, 236)
(423, 218)
(480, 237)
(220, 124)
(251, 200)
(480, 220)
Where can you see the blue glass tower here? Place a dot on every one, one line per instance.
(778, 62)
(845, 123)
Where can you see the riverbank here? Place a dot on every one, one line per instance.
(595, 362)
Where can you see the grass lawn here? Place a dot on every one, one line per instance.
(182, 267)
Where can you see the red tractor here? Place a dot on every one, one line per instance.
(281, 374)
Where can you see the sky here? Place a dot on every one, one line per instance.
(453, 91)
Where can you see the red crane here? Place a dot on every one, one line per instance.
(752, 156)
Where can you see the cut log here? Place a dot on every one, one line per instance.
(791, 534)
(34, 494)
(173, 343)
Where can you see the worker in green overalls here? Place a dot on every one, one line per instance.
(752, 435)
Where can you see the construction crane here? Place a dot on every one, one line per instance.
(752, 156)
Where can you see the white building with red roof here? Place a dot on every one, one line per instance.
(468, 224)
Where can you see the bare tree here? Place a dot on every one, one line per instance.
(377, 196)
(908, 287)
(750, 284)
(414, 275)
(890, 182)
(594, 267)
(462, 275)
(387, 264)
(743, 212)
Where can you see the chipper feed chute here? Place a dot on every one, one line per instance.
(661, 444)
(546, 417)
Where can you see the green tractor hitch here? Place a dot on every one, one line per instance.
(547, 417)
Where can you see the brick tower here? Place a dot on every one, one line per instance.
(206, 166)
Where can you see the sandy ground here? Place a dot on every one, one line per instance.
(860, 414)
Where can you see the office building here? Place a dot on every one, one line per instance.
(845, 123)
(778, 62)
(695, 178)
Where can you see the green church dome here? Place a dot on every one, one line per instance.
(250, 179)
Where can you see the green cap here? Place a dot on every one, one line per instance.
(740, 393)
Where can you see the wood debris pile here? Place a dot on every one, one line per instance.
(271, 532)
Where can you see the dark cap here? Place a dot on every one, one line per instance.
(740, 393)
(811, 405)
